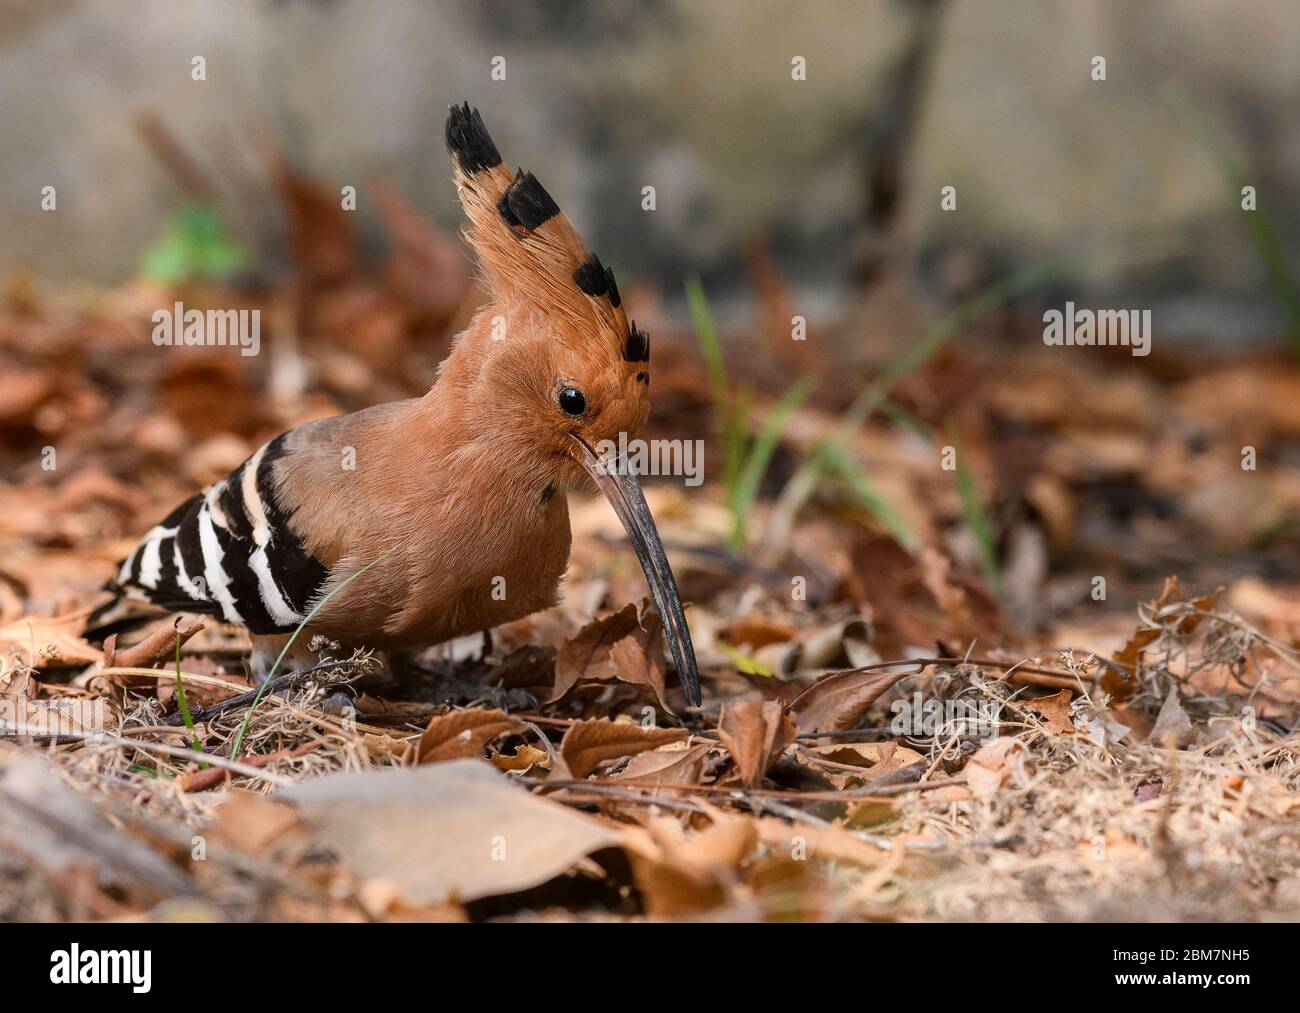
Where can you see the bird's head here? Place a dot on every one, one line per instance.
(568, 374)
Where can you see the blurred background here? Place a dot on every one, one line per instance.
(602, 98)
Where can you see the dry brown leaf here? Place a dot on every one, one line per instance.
(990, 768)
(1173, 728)
(587, 744)
(1055, 710)
(462, 733)
(837, 701)
(667, 766)
(850, 766)
(523, 758)
(679, 873)
(860, 754)
(1128, 657)
(915, 601)
(587, 654)
(757, 632)
(253, 822)
(639, 657)
(448, 830)
(868, 760)
(1172, 594)
(1138, 724)
(755, 731)
(836, 776)
(830, 843)
(626, 645)
(56, 641)
(395, 712)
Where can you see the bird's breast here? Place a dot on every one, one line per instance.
(460, 571)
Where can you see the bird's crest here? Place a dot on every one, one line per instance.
(529, 249)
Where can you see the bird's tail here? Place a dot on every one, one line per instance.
(120, 612)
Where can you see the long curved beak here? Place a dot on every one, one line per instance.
(624, 494)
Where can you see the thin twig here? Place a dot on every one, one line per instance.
(615, 791)
(864, 794)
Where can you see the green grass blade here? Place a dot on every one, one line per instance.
(760, 456)
(975, 514)
(735, 440)
(818, 464)
(900, 416)
(243, 728)
(706, 333)
(865, 491)
(730, 412)
(1267, 244)
(195, 744)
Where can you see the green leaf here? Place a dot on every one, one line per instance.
(1262, 232)
(975, 514)
(869, 496)
(194, 243)
(829, 454)
(760, 456)
(706, 333)
(195, 744)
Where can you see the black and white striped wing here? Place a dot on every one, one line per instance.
(230, 552)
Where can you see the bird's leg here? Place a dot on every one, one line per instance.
(266, 648)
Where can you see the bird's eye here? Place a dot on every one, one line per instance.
(572, 401)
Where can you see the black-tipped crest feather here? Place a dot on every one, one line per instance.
(638, 345)
(469, 140)
(592, 277)
(526, 203)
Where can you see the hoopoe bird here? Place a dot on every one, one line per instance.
(453, 495)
